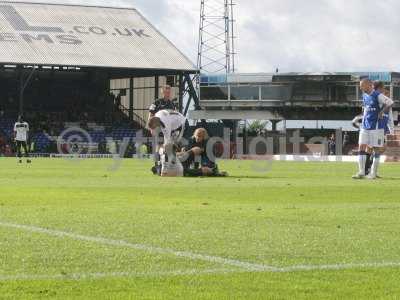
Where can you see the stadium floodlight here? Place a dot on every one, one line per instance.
(216, 52)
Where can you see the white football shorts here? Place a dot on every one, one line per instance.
(170, 166)
(172, 169)
(372, 138)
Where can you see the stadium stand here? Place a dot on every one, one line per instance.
(393, 146)
(45, 132)
(100, 78)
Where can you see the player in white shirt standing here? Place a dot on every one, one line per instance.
(172, 125)
(21, 130)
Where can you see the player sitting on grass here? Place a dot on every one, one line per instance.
(172, 125)
(372, 133)
(196, 161)
(21, 130)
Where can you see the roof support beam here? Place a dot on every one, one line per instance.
(131, 87)
(23, 83)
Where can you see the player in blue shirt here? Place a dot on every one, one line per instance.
(387, 115)
(372, 133)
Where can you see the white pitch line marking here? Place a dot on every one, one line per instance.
(333, 267)
(85, 276)
(245, 266)
(165, 251)
(291, 269)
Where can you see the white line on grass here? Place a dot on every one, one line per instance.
(245, 266)
(88, 276)
(339, 267)
(185, 254)
(85, 276)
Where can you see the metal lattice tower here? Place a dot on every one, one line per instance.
(216, 52)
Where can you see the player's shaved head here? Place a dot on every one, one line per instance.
(366, 85)
(366, 81)
(154, 123)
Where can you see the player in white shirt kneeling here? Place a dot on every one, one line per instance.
(21, 131)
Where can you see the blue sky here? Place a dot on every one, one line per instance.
(304, 36)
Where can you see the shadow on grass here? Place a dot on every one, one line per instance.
(389, 178)
(255, 177)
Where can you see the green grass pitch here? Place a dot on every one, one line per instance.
(76, 230)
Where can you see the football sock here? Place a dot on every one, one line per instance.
(362, 159)
(368, 163)
(375, 164)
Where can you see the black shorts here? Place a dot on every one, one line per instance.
(21, 144)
